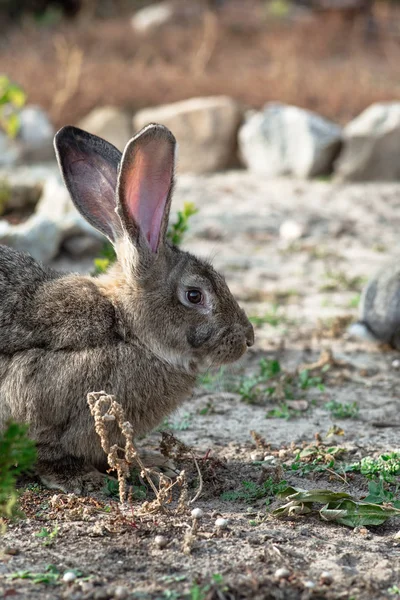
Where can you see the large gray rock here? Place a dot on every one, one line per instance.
(54, 220)
(372, 145)
(206, 130)
(110, 123)
(34, 142)
(286, 140)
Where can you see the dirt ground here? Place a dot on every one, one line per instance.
(305, 292)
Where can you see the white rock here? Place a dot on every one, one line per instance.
(256, 456)
(152, 17)
(282, 573)
(290, 231)
(160, 541)
(120, 592)
(396, 364)
(326, 577)
(109, 123)
(310, 585)
(197, 513)
(286, 140)
(205, 128)
(69, 576)
(370, 145)
(34, 141)
(221, 523)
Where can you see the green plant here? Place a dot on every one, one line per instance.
(17, 455)
(48, 536)
(250, 491)
(175, 234)
(201, 592)
(137, 490)
(50, 576)
(354, 301)
(178, 229)
(386, 466)
(307, 381)
(272, 317)
(338, 507)
(342, 410)
(340, 281)
(12, 98)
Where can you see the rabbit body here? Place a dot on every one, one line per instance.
(380, 308)
(142, 331)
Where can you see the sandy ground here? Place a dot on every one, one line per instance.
(305, 292)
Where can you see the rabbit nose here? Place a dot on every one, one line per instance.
(250, 336)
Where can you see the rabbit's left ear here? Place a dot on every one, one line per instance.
(145, 185)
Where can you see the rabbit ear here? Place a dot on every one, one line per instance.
(89, 166)
(145, 185)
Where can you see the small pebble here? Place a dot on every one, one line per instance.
(11, 551)
(268, 458)
(291, 231)
(160, 541)
(69, 576)
(397, 536)
(326, 578)
(309, 585)
(282, 573)
(221, 523)
(257, 456)
(396, 364)
(197, 513)
(120, 592)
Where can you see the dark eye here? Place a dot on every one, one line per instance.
(194, 296)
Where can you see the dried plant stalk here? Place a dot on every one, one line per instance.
(105, 409)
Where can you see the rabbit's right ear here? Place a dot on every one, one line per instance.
(89, 166)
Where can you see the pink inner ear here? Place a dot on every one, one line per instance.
(147, 186)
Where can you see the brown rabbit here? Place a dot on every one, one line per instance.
(142, 331)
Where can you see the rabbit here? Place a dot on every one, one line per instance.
(142, 331)
(379, 319)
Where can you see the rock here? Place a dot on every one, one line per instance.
(152, 17)
(83, 245)
(205, 129)
(34, 141)
(282, 573)
(54, 221)
(69, 576)
(221, 523)
(109, 123)
(290, 230)
(197, 513)
(160, 541)
(371, 143)
(286, 140)
(326, 578)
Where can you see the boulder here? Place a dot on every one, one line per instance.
(371, 145)
(55, 220)
(205, 128)
(109, 123)
(286, 140)
(34, 141)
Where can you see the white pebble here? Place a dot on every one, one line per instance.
(309, 585)
(69, 576)
(326, 577)
(221, 523)
(397, 536)
(269, 458)
(291, 231)
(160, 541)
(282, 573)
(120, 593)
(197, 513)
(257, 456)
(396, 364)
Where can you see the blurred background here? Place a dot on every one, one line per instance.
(334, 57)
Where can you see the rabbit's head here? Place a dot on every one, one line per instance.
(176, 304)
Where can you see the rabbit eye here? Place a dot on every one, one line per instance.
(194, 296)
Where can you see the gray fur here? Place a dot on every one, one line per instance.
(380, 306)
(127, 332)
